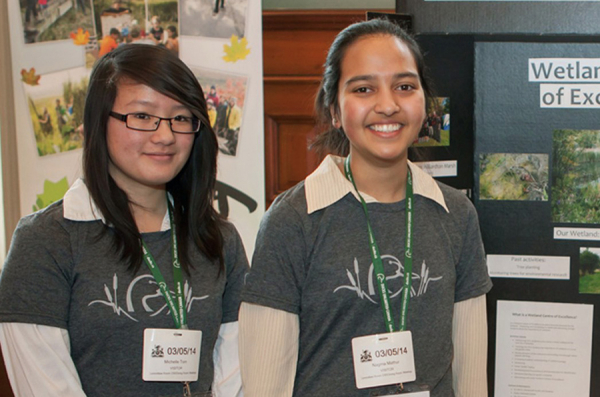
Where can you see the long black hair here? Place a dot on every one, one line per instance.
(192, 189)
(333, 140)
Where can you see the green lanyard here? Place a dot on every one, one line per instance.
(177, 308)
(376, 257)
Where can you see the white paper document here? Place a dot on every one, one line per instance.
(543, 349)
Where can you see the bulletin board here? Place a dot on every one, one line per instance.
(528, 76)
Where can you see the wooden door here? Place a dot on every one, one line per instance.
(295, 45)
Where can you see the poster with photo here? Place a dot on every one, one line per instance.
(54, 45)
(444, 148)
(536, 184)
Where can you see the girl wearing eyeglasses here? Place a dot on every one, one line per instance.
(129, 286)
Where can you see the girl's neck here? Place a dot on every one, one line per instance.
(148, 208)
(384, 182)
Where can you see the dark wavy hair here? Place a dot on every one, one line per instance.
(193, 189)
(333, 140)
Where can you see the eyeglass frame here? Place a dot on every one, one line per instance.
(123, 117)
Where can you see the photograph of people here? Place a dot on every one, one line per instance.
(135, 245)
(333, 261)
(110, 42)
(172, 39)
(157, 33)
(225, 99)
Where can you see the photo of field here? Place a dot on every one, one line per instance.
(56, 110)
(513, 176)
(50, 20)
(589, 270)
(436, 128)
(575, 194)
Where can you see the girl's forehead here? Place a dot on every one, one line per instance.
(376, 54)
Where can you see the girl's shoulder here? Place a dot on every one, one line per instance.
(459, 204)
(291, 204)
(49, 218)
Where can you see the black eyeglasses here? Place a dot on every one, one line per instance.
(148, 122)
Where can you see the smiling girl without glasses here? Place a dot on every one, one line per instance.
(334, 273)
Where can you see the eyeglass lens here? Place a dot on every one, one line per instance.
(146, 122)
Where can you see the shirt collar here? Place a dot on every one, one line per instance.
(327, 184)
(79, 206)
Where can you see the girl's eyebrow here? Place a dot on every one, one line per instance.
(370, 77)
(152, 103)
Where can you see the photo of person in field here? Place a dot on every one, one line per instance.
(56, 110)
(436, 128)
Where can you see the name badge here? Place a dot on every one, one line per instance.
(384, 359)
(412, 394)
(171, 355)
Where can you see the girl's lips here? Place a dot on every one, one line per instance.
(160, 156)
(385, 127)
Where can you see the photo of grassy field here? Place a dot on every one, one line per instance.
(575, 191)
(589, 270)
(513, 176)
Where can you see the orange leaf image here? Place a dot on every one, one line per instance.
(81, 37)
(29, 77)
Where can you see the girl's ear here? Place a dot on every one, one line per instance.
(335, 120)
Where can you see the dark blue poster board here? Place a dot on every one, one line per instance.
(533, 102)
(535, 17)
(535, 174)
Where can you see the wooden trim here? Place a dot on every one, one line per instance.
(8, 139)
(270, 160)
(313, 19)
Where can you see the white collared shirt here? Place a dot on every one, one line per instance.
(326, 185)
(79, 206)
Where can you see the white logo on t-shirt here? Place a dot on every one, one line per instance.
(152, 303)
(388, 261)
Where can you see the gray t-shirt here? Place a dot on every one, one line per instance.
(318, 266)
(60, 273)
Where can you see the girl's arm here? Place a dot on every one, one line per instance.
(227, 381)
(38, 360)
(469, 336)
(268, 350)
